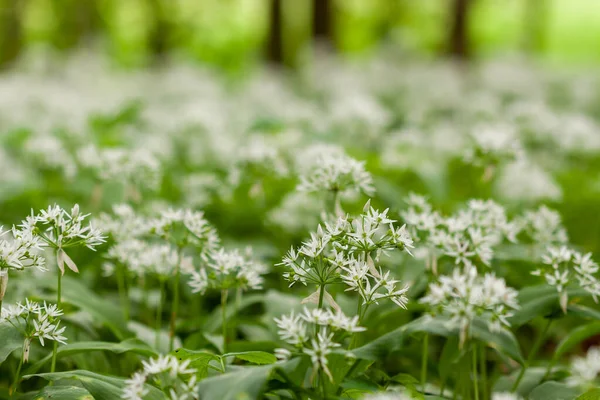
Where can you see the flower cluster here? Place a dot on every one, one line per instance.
(175, 379)
(585, 371)
(143, 258)
(562, 264)
(34, 321)
(312, 333)
(465, 295)
(332, 170)
(544, 226)
(468, 236)
(345, 251)
(21, 251)
(225, 269)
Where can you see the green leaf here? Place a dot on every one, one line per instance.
(101, 387)
(451, 354)
(539, 301)
(198, 359)
(11, 340)
(593, 394)
(502, 340)
(130, 345)
(63, 393)
(243, 383)
(575, 337)
(533, 377)
(255, 357)
(583, 312)
(553, 391)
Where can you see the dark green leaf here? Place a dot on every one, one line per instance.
(553, 391)
(198, 359)
(255, 357)
(576, 336)
(63, 393)
(10, 341)
(593, 394)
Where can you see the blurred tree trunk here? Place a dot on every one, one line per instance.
(534, 25)
(160, 31)
(275, 41)
(322, 23)
(458, 37)
(78, 21)
(11, 31)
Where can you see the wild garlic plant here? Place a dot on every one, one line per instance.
(317, 333)
(224, 271)
(59, 229)
(34, 321)
(585, 371)
(166, 375)
(346, 252)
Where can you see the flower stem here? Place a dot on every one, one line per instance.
(475, 378)
(424, 355)
(159, 313)
(224, 294)
(536, 346)
(175, 309)
(121, 273)
(13, 388)
(483, 371)
(58, 304)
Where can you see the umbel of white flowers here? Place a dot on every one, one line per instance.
(59, 229)
(174, 378)
(34, 321)
(465, 295)
(585, 371)
(346, 252)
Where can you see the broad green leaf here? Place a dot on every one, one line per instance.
(198, 359)
(10, 340)
(576, 336)
(539, 301)
(255, 357)
(242, 383)
(533, 377)
(593, 394)
(101, 387)
(63, 393)
(583, 312)
(451, 354)
(130, 345)
(553, 391)
(502, 340)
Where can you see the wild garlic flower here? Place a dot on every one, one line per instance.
(175, 379)
(186, 227)
(492, 144)
(226, 269)
(21, 250)
(585, 371)
(124, 223)
(59, 229)
(544, 227)
(468, 236)
(335, 171)
(563, 267)
(465, 295)
(312, 332)
(34, 321)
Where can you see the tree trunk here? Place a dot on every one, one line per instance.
(458, 38)
(275, 44)
(11, 31)
(322, 19)
(159, 34)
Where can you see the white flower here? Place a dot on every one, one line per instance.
(585, 370)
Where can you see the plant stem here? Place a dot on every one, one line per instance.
(322, 381)
(424, 355)
(224, 293)
(121, 272)
(159, 313)
(58, 304)
(321, 295)
(475, 378)
(483, 371)
(536, 346)
(175, 309)
(13, 388)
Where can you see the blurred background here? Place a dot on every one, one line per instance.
(236, 34)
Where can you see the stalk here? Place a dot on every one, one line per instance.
(58, 304)
(224, 294)
(159, 313)
(424, 362)
(532, 354)
(483, 371)
(475, 378)
(123, 295)
(175, 301)
(13, 388)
